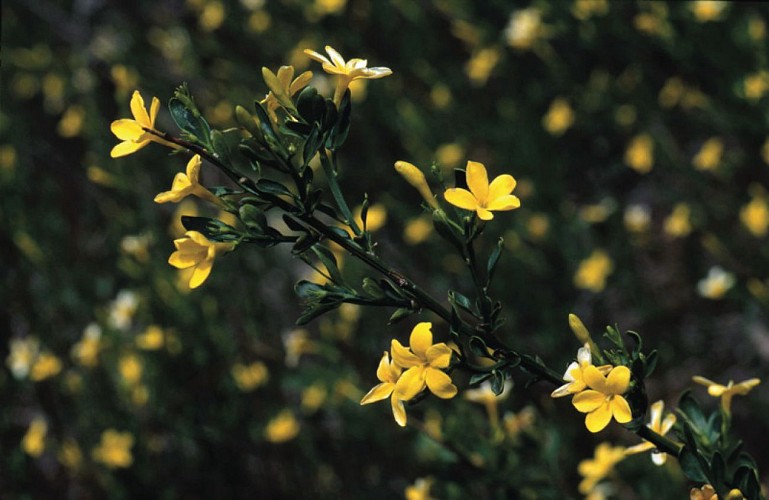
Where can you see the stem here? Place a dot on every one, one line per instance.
(662, 443)
(330, 171)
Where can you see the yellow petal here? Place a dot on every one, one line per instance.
(618, 380)
(421, 339)
(126, 148)
(461, 198)
(181, 260)
(484, 214)
(562, 391)
(193, 169)
(411, 383)
(477, 181)
(168, 196)
(440, 384)
(154, 108)
(620, 409)
(198, 238)
(336, 58)
(598, 419)
(138, 109)
(667, 424)
(745, 387)
(301, 81)
(502, 185)
(439, 355)
(703, 380)
(588, 400)
(594, 379)
(399, 411)
(659, 459)
(508, 202)
(402, 356)
(386, 371)
(639, 448)
(378, 393)
(201, 272)
(317, 57)
(127, 130)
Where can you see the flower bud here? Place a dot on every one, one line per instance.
(416, 178)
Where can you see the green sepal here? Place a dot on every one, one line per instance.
(212, 229)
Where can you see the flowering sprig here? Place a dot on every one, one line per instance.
(137, 133)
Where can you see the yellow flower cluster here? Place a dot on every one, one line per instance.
(424, 363)
(598, 391)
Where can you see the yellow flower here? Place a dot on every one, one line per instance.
(604, 399)
(483, 198)
(658, 425)
(755, 216)
(33, 442)
(593, 271)
(86, 351)
(152, 339)
(716, 283)
(515, 423)
(376, 217)
(559, 117)
(637, 218)
(282, 86)
(46, 366)
(69, 454)
(130, 368)
(707, 492)
(585, 9)
(313, 397)
(726, 392)
(348, 71)
(114, 450)
(283, 427)
(709, 155)
(195, 250)
(188, 184)
(420, 490)
(423, 364)
(708, 10)
(249, 377)
(575, 372)
(639, 154)
(296, 343)
(600, 466)
(23, 353)
(122, 309)
(417, 230)
(417, 179)
(479, 67)
(388, 374)
(524, 28)
(485, 396)
(678, 223)
(135, 133)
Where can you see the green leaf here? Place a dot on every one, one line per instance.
(304, 243)
(328, 260)
(253, 217)
(691, 466)
(399, 314)
(272, 141)
(461, 301)
(478, 378)
(310, 105)
(309, 290)
(338, 134)
(478, 346)
(718, 472)
(314, 311)
(188, 118)
(497, 382)
(268, 186)
(493, 259)
(650, 363)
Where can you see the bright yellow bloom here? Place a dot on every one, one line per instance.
(249, 377)
(114, 450)
(417, 179)
(709, 155)
(388, 374)
(600, 466)
(483, 198)
(46, 366)
(604, 399)
(195, 250)
(755, 215)
(283, 427)
(348, 71)
(423, 365)
(708, 10)
(420, 490)
(678, 223)
(707, 492)
(559, 117)
(593, 271)
(658, 425)
(135, 133)
(282, 86)
(716, 283)
(726, 392)
(33, 442)
(575, 373)
(639, 154)
(188, 184)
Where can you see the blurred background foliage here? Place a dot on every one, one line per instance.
(638, 132)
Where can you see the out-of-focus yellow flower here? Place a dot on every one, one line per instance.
(625, 115)
(188, 184)
(716, 283)
(152, 339)
(593, 271)
(449, 155)
(597, 212)
(417, 230)
(33, 442)
(756, 85)
(483, 198)
(71, 122)
(485, 396)
(537, 226)
(575, 373)
(283, 427)
(756, 29)
(22, 355)
(122, 309)
(417, 179)
(420, 490)
(53, 91)
(7, 158)
(654, 20)
(98, 175)
(600, 466)
(124, 78)
(282, 87)
(465, 31)
(585, 9)
(114, 450)
(515, 423)
(137, 246)
(639, 154)
(388, 373)
(140, 394)
(296, 343)
(559, 117)
(637, 218)
(259, 21)
(195, 250)
(423, 362)
(313, 397)
(707, 492)
(671, 93)
(481, 64)
(678, 223)
(135, 133)
(440, 96)
(728, 391)
(658, 425)
(755, 215)
(603, 400)
(249, 377)
(346, 72)
(524, 28)
(69, 454)
(46, 366)
(709, 155)
(327, 7)
(130, 368)
(212, 15)
(376, 217)
(708, 10)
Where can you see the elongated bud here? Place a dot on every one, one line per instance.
(416, 178)
(581, 332)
